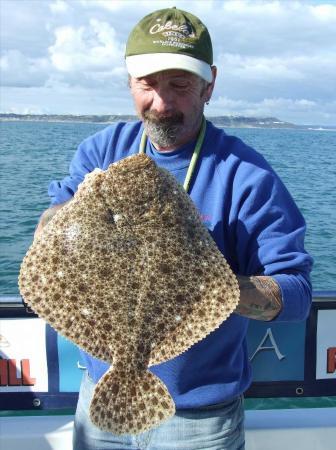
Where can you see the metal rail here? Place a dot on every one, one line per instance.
(15, 301)
(12, 305)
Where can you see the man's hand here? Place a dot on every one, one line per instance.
(47, 216)
(260, 297)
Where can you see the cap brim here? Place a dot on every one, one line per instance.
(141, 65)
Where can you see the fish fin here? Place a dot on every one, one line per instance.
(216, 305)
(130, 405)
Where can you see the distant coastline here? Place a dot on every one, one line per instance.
(222, 121)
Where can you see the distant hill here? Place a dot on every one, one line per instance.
(224, 121)
(67, 118)
(251, 122)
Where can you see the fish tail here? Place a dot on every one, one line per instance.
(130, 405)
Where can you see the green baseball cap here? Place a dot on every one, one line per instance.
(169, 39)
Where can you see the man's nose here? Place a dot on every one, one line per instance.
(163, 101)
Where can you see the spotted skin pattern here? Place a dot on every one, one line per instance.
(128, 272)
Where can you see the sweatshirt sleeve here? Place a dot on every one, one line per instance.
(270, 234)
(89, 155)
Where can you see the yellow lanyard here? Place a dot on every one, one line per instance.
(194, 157)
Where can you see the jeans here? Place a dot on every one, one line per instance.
(216, 427)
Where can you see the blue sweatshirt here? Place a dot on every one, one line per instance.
(256, 225)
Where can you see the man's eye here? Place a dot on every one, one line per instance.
(146, 87)
(179, 86)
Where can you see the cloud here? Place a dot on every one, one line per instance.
(88, 56)
(93, 47)
(23, 27)
(300, 111)
(266, 51)
(115, 5)
(256, 68)
(59, 6)
(74, 100)
(325, 13)
(252, 78)
(23, 71)
(256, 28)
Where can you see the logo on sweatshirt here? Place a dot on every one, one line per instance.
(206, 219)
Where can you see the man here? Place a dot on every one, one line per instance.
(246, 208)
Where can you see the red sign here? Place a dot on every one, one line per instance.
(9, 375)
(331, 360)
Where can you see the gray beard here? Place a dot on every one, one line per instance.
(161, 134)
(163, 131)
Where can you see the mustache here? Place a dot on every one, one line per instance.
(161, 119)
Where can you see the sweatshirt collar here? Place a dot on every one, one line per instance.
(175, 159)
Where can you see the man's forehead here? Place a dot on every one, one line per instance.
(170, 73)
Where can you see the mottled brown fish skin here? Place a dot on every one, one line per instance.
(130, 402)
(128, 272)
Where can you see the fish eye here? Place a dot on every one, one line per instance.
(110, 216)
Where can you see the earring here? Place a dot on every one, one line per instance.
(207, 102)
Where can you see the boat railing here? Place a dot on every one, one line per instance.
(15, 303)
(295, 361)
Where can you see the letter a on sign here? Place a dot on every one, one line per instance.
(274, 347)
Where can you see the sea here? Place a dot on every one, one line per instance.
(34, 153)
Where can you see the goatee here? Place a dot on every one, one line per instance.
(163, 130)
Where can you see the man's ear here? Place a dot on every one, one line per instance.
(211, 85)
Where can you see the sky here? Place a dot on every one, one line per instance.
(274, 58)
